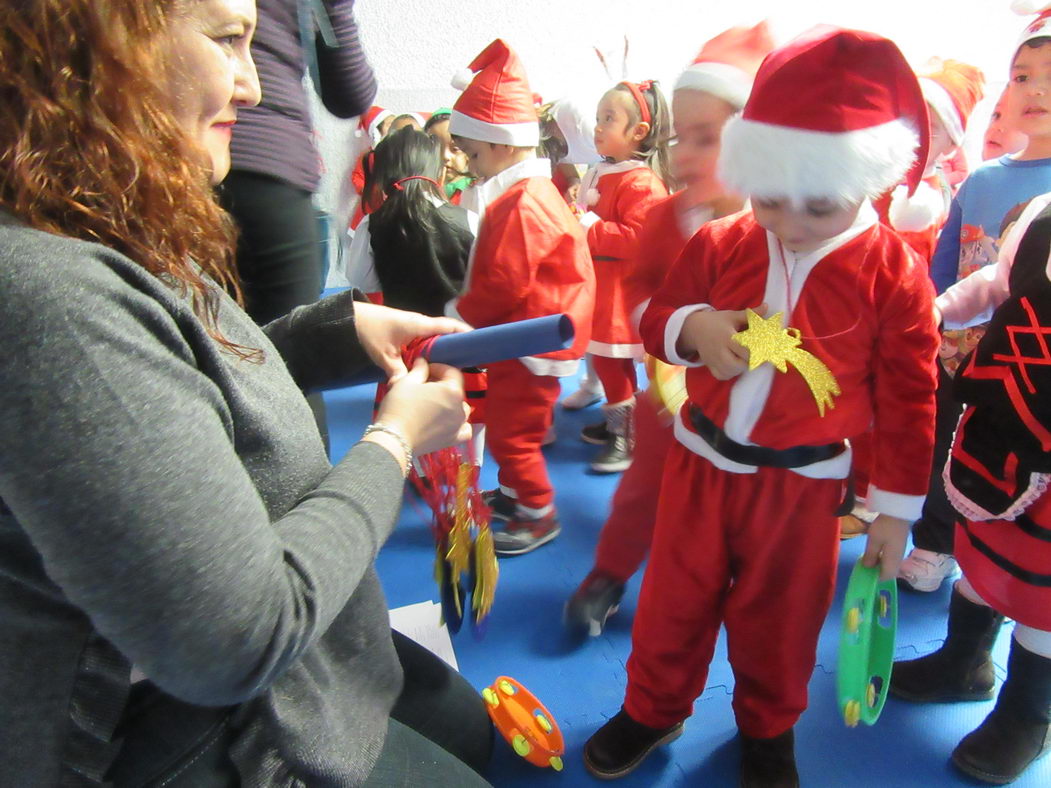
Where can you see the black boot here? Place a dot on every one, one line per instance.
(962, 669)
(617, 452)
(1018, 730)
(769, 763)
(621, 745)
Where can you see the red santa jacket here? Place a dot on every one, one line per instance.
(530, 259)
(660, 243)
(619, 196)
(862, 305)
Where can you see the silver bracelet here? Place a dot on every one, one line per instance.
(379, 426)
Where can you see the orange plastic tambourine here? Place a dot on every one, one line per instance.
(524, 722)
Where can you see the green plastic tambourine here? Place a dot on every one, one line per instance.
(866, 645)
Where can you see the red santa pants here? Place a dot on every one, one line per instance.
(756, 552)
(519, 408)
(626, 536)
(617, 376)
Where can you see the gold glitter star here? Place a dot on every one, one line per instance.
(766, 340)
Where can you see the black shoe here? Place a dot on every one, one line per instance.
(769, 763)
(501, 505)
(962, 669)
(614, 457)
(596, 434)
(1018, 730)
(621, 745)
(595, 600)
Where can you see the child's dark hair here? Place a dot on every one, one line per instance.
(552, 142)
(420, 248)
(654, 148)
(435, 119)
(414, 119)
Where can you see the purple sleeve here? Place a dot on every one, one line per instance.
(348, 85)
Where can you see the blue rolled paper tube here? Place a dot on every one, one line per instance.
(484, 346)
(500, 343)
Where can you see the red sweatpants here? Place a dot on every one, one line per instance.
(626, 536)
(519, 408)
(756, 552)
(618, 377)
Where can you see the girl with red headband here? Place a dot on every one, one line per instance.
(631, 134)
(413, 248)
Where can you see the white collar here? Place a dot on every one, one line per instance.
(610, 167)
(498, 184)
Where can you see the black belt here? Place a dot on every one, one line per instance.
(795, 457)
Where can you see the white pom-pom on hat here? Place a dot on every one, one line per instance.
(462, 78)
(1028, 7)
(916, 213)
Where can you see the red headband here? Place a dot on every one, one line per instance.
(636, 91)
(398, 183)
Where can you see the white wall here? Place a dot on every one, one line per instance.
(416, 45)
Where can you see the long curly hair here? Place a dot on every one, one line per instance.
(89, 150)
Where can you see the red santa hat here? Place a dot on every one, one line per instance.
(835, 114)
(369, 122)
(952, 89)
(496, 104)
(726, 65)
(1039, 27)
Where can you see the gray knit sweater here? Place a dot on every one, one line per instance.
(169, 506)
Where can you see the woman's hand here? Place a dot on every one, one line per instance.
(427, 406)
(383, 332)
(709, 334)
(886, 545)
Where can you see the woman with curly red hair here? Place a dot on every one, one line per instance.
(187, 591)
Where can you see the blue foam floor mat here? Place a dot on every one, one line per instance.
(582, 682)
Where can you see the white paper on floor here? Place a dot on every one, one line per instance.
(422, 622)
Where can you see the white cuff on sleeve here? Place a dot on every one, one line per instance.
(589, 219)
(907, 507)
(673, 328)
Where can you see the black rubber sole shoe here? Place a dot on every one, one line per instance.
(624, 734)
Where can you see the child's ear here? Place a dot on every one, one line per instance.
(642, 130)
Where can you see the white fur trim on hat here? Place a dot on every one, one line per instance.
(523, 135)
(722, 80)
(780, 162)
(940, 100)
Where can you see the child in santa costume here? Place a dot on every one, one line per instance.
(530, 259)
(711, 90)
(996, 478)
(988, 202)
(842, 336)
(951, 89)
(631, 134)
(372, 127)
